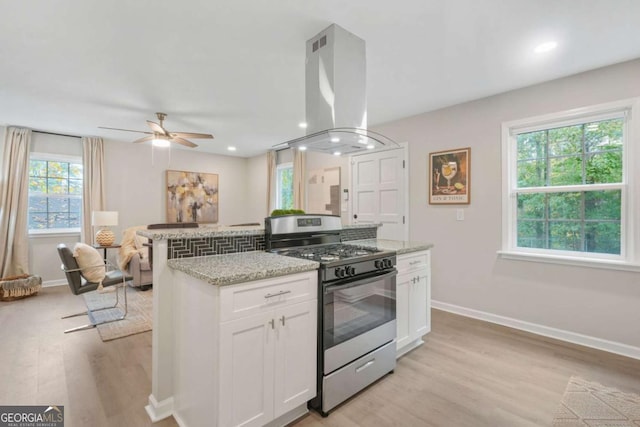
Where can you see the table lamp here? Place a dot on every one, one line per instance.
(104, 220)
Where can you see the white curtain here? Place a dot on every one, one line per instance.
(299, 173)
(271, 181)
(93, 194)
(14, 202)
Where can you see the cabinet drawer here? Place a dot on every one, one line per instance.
(411, 262)
(246, 299)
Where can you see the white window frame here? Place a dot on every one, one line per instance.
(49, 232)
(630, 187)
(279, 168)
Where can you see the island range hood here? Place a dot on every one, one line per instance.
(336, 97)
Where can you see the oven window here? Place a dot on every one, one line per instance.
(355, 310)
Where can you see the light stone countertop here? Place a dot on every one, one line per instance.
(202, 231)
(218, 231)
(400, 246)
(240, 267)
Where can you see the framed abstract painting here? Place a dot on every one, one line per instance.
(192, 197)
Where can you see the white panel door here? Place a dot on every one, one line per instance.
(295, 356)
(247, 370)
(379, 189)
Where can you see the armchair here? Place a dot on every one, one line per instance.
(135, 256)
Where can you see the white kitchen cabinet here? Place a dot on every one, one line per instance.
(244, 354)
(267, 361)
(413, 300)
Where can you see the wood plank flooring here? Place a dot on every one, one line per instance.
(469, 373)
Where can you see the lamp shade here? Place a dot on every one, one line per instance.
(104, 218)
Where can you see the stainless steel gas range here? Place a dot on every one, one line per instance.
(357, 306)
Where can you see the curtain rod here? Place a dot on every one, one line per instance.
(58, 134)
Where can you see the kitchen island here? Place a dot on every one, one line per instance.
(203, 306)
(189, 293)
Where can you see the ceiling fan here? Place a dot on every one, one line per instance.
(162, 137)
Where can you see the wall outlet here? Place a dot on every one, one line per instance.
(460, 214)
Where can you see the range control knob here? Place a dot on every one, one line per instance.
(350, 270)
(387, 263)
(378, 264)
(340, 272)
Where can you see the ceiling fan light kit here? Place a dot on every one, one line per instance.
(160, 137)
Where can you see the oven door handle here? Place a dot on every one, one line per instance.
(364, 281)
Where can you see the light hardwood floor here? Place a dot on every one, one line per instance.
(469, 373)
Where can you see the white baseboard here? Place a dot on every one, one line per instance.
(159, 410)
(50, 283)
(560, 334)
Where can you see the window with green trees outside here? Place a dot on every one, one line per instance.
(578, 219)
(284, 186)
(568, 186)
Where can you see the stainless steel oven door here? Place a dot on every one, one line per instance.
(358, 317)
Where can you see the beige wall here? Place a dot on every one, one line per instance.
(256, 202)
(135, 185)
(466, 269)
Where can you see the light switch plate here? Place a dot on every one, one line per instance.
(460, 214)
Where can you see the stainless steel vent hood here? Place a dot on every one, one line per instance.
(336, 96)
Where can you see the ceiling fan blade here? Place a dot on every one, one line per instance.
(157, 128)
(126, 130)
(190, 135)
(183, 142)
(145, 139)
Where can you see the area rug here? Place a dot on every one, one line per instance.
(139, 316)
(589, 404)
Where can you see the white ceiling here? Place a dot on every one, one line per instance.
(235, 68)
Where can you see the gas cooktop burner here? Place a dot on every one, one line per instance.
(329, 253)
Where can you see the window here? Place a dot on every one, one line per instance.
(284, 186)
(55, 193)
(568, 185)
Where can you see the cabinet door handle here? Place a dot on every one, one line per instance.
(282, 320)
(415, 262)
(413, 280)
(418, 279)
(366, 365)
(277, 294)
(273, 323)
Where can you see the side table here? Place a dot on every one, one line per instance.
(114, 246)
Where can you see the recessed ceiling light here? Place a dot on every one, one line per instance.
(335, 139)
(336, 153)
(302, 148)
(370, 147)
(303, 125)
(230, 148)
(545, 47)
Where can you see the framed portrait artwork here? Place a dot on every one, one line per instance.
(450, 177)
(192, 197)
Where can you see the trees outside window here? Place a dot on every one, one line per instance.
(568, 187)
(583, 156)
(284, 186)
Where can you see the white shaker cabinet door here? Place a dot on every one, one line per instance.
(403, 310)
(420, 313)
(295, 355)
(247, 370)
